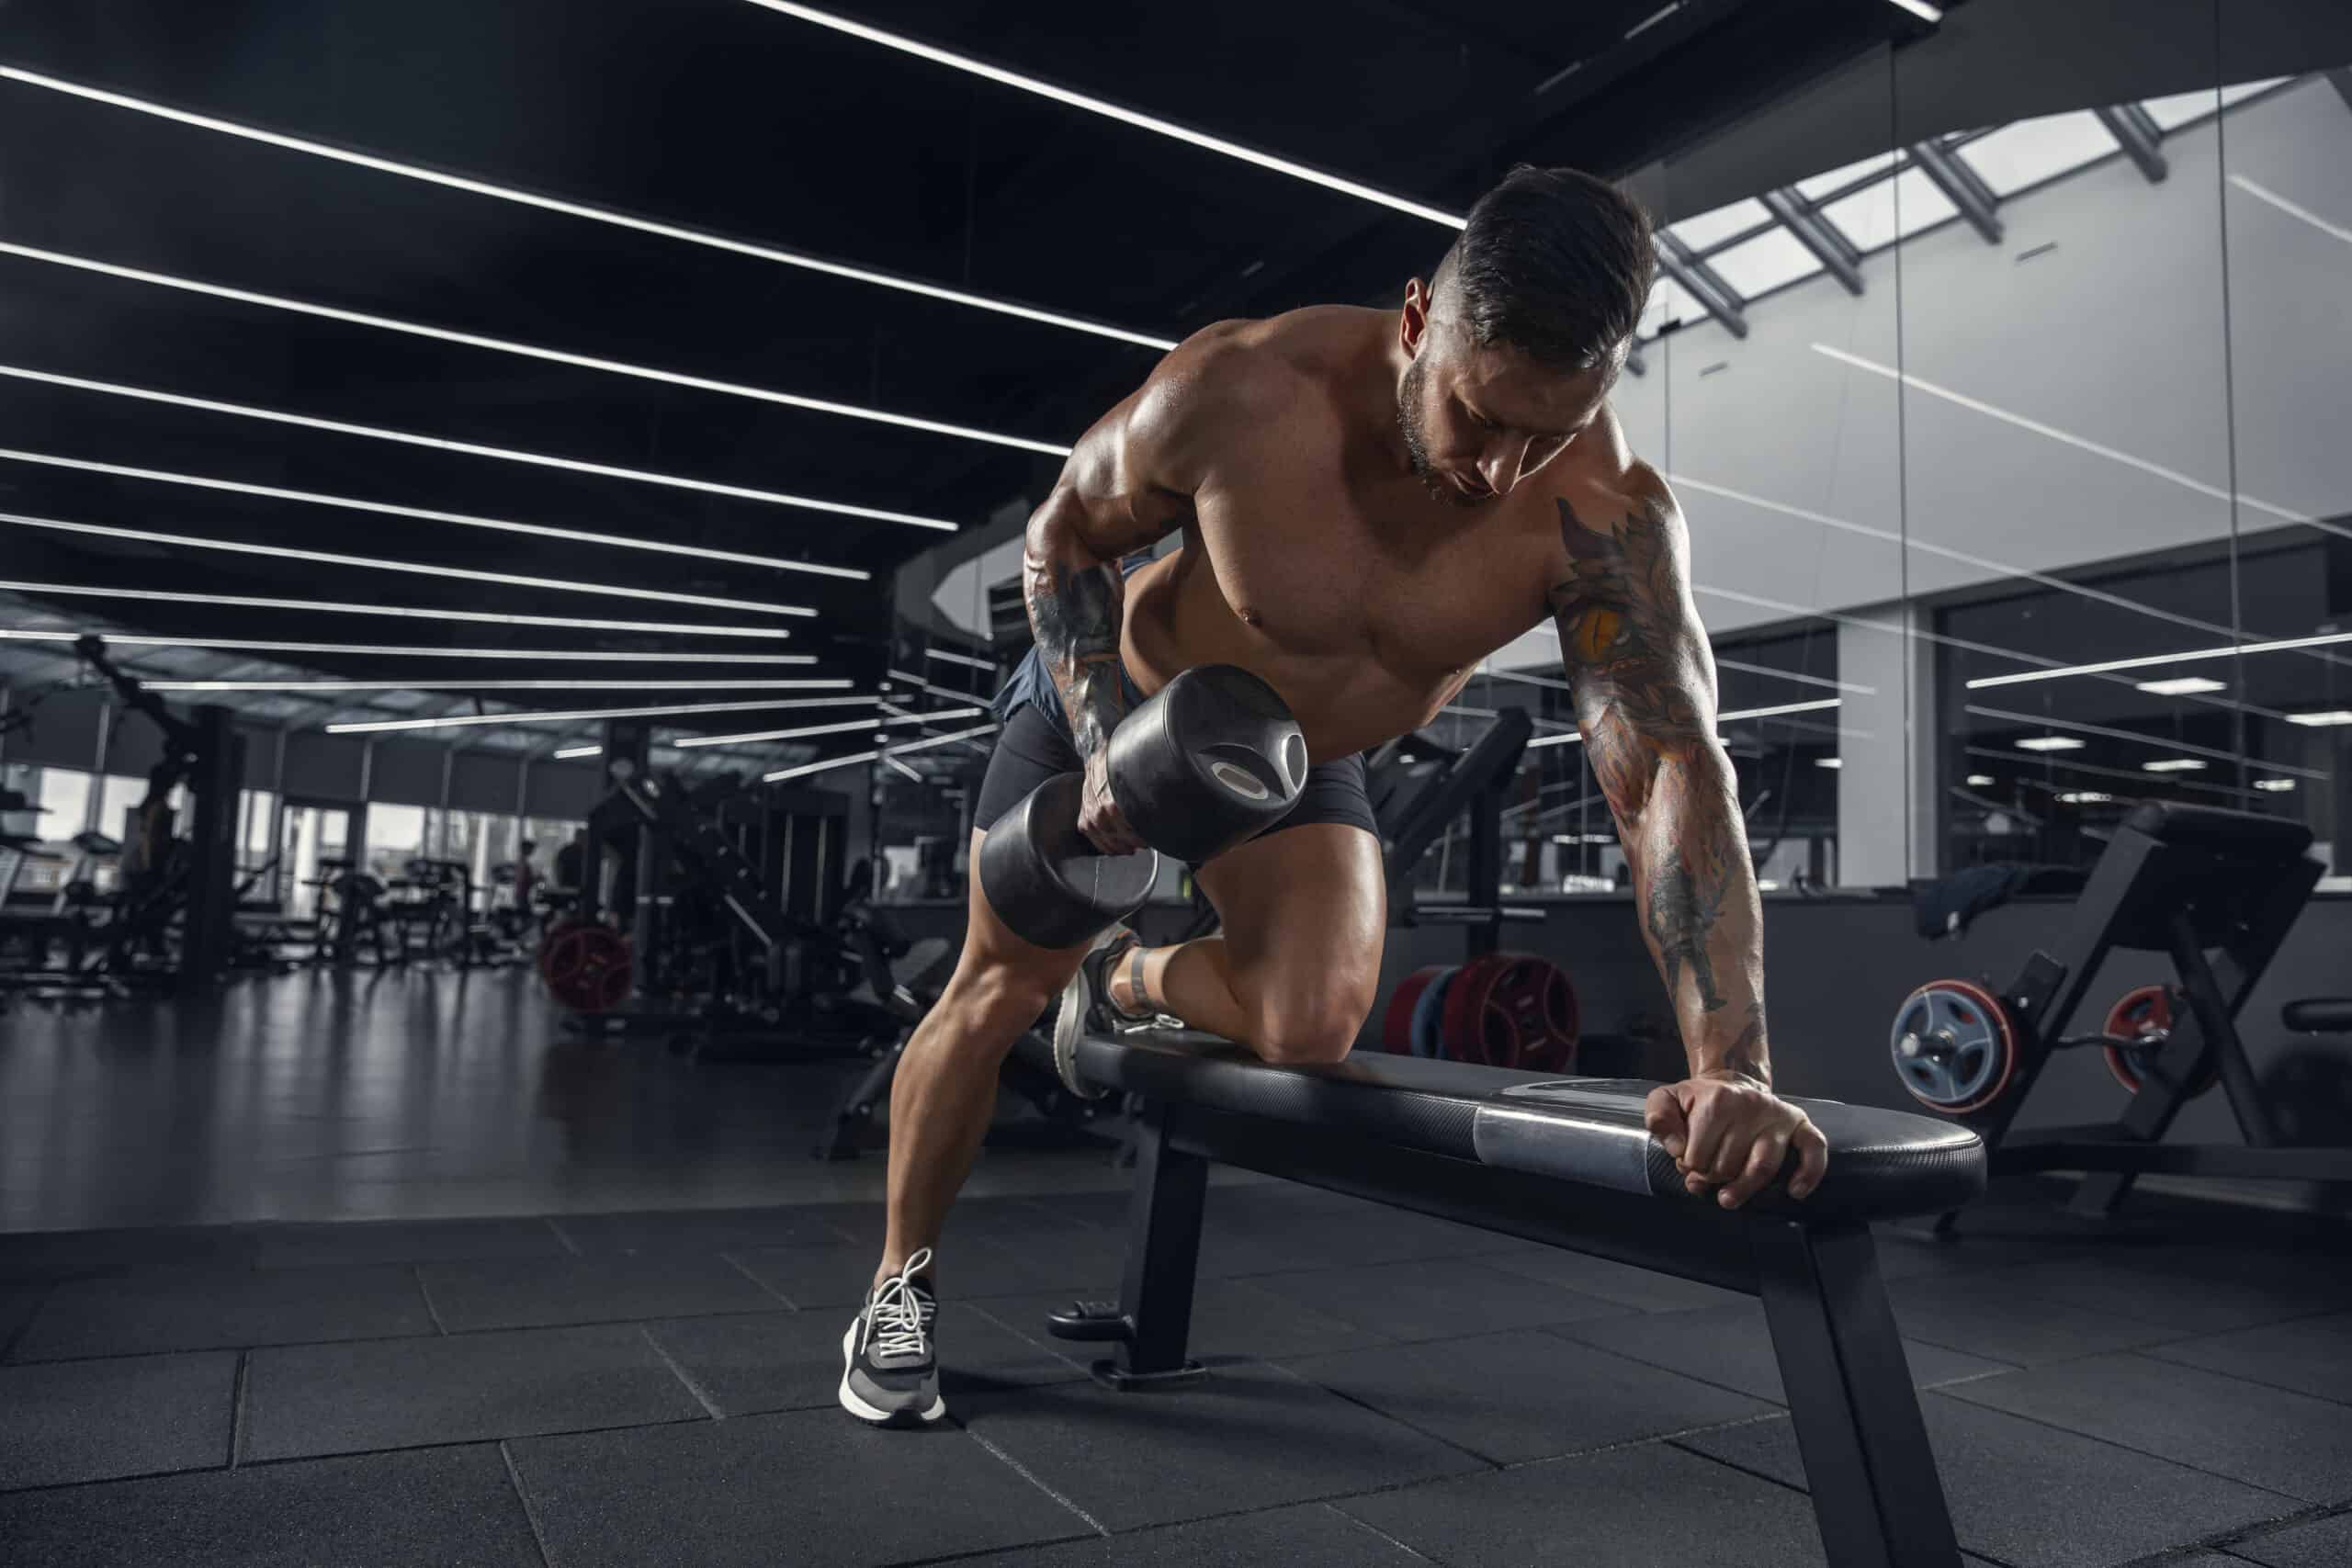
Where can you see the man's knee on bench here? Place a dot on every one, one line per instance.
(1306, 1020)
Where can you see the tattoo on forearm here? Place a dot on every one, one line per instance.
(1682, 917)
(1747, 1055)
(1076, 615)
(1643, 694)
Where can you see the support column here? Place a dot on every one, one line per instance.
(1890, 784)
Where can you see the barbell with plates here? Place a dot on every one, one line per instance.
(1954, 1046)
(2137, 1027)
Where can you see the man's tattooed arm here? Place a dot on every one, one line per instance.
(1075, 609)
(1644, 687)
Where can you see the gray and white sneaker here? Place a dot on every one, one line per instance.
(1086, 1007)
(890, 1360)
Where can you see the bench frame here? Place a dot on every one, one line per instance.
(1876, 1495)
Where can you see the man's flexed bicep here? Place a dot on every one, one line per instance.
(1644, 686)
(1129, 483)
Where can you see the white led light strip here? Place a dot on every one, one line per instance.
(469, 574)
(473, 449)
(2152, 660)
(2162, 742)
(2065, 437)
(469, 720)
(328, 606)
(900, 715)
(531, 351)
(2263, 193)
(539, 530)
(586, 684)
(580, 210)
(596, 656)
(1110, 111)
(1776, 710)
(807, 768)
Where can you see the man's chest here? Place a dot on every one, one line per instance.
(1321, 566)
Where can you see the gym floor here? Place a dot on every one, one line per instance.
(386, 1271)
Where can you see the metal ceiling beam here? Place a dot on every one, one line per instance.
(1961, 186)
(2341, 79)
(2140, 138)
(1818, 235)
(1719, 299)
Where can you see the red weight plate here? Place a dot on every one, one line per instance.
(1397, 1022)
(1476, 1029)
(1549, 1018)
(2138, 1014)
(588, 969)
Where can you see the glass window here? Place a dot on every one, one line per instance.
(118, 797)
(64, 795)
(395, 836)
(1765, 263)
(2033, 151)
(2176, 109)
(1671, 303)
(1708, 229)
(1868, 216)
(1815, 186)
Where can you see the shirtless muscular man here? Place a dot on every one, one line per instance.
(1372, 501)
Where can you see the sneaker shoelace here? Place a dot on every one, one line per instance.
(896, 1319)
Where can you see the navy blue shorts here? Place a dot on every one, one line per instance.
(1036, 744)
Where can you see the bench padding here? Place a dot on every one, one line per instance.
(1883, 1164)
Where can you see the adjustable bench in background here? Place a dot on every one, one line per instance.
(1567, 1162)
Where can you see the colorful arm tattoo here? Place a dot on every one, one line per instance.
(1644, 700)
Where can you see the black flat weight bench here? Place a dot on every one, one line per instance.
(1567, 1162)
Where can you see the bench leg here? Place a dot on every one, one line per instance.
(1163, 1246)
(1875, 1492)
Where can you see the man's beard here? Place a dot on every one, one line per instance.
(1417, 446)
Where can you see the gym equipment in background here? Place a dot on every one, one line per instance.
(2214, 891)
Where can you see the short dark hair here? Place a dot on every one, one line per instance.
(1554, 262)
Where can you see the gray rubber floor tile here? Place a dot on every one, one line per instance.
(2196, 1289)
(393, 1394)
(97, 1420)
(1652, 1506)
(147, 1310)
(2033, 1496)
(1231, 1317)
(430, 1508)
(830, 1275)
(403, 1241)
(812, 1488)
(696, 1230)
(1525, 1395)
(2321, 1543)
(1313, 1535)
(52, 1255)
(792, 1360)
(2265, 1437)
(1414, 1300)
(1731, 1346)
(1640, 1290)
(1248, 1436)
(1070, 1261)
(547, 1292)
(2309, 1356)
(1988, 1317)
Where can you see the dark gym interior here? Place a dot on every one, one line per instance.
(519, 545)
